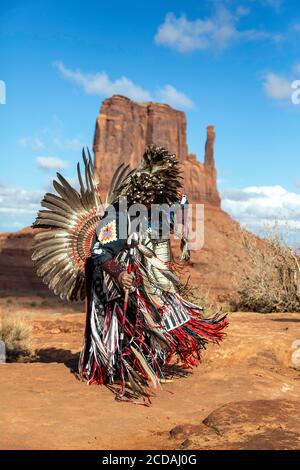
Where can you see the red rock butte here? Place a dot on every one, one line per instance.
(124, 128)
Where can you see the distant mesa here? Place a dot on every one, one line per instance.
(124, 128)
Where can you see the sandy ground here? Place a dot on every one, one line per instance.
(245, 391)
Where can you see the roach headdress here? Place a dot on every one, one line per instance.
(156, 180)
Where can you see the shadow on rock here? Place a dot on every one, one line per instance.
(286, 320)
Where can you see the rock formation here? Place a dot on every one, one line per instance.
(200, 180)
(17, 272)
(123, 130)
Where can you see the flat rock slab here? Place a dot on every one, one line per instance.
(257, 424)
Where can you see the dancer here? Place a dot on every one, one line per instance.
(118, 259)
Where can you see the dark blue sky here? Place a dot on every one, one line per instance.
(227, 63)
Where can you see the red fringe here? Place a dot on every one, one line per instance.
(182, 343)
(188, 347)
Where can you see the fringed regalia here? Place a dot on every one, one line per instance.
(130, 337)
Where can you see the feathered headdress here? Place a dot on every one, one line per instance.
(157, 180)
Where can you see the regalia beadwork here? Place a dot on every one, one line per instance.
(108, 233)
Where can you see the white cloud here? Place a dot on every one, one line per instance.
(296, 68)
(53, 134)
(52, 163)
(276, 4)
(256, 205)
(242, 11)
(277, 86)
(296, 27)
(175, 98)
(241, 194)
(68, 144)
(18, 207)
(282, 87)
(215, 32)
(32, 142)
(100, 84)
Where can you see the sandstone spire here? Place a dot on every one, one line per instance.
(209, 146)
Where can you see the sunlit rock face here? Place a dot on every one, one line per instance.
(124, 128)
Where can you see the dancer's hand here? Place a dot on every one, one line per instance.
(126, 279)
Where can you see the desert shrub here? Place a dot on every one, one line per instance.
(16, 334)
(271, 281)
(41, 294)
(201, 296)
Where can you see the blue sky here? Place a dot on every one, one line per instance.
(228, 63)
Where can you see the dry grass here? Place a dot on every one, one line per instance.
(202, 297)
(271, 283)
(16, 333)
(199, 296)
